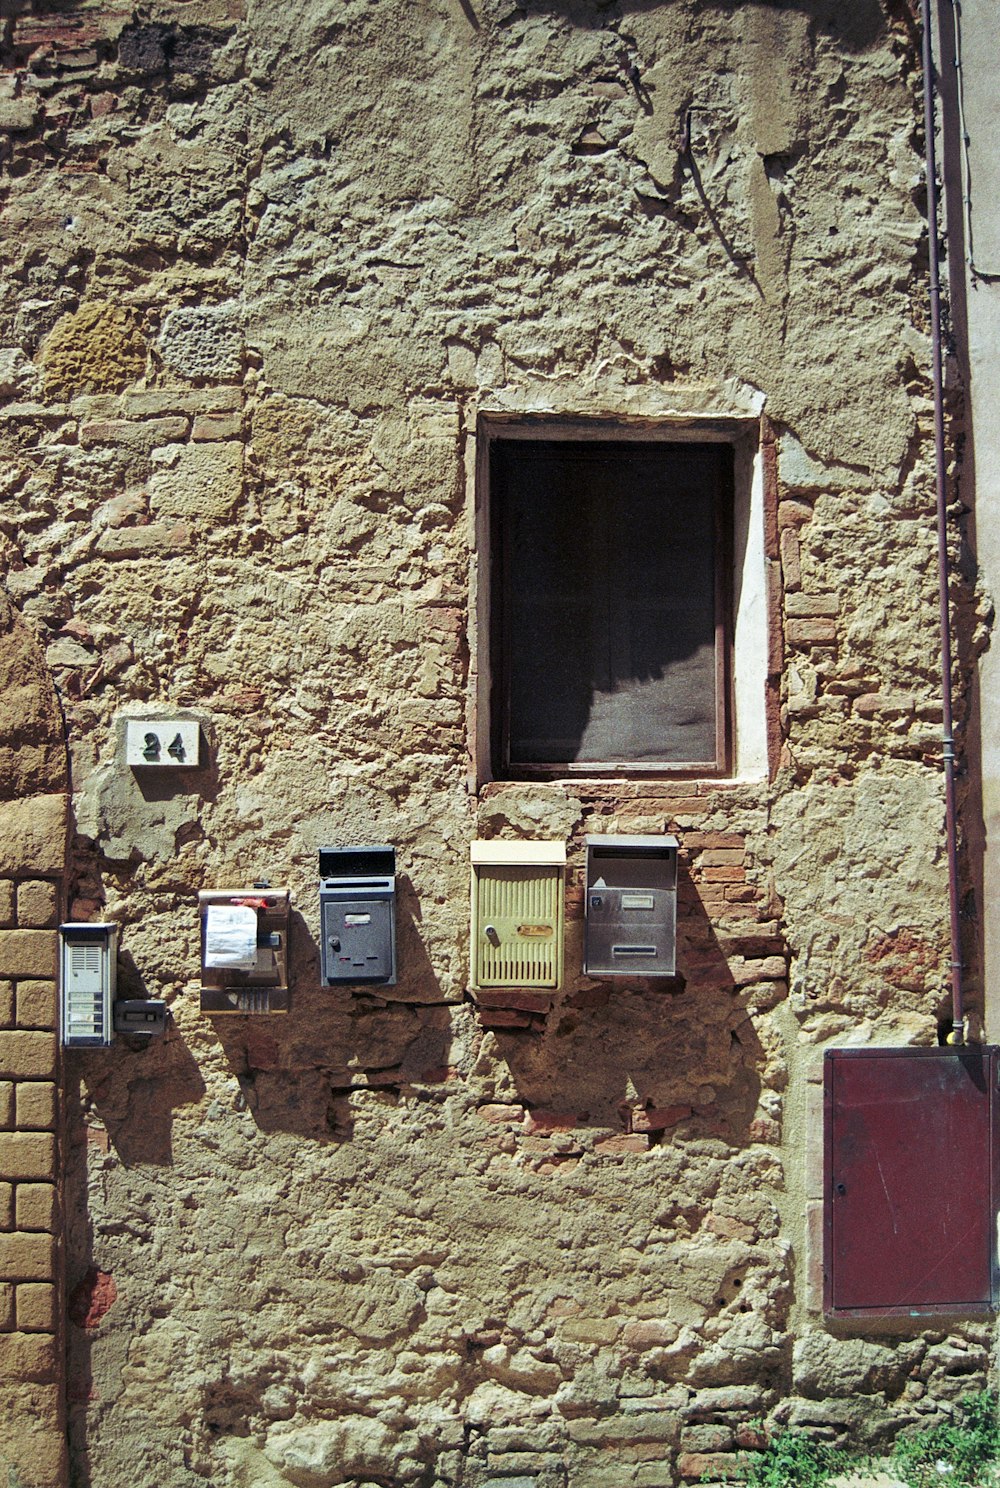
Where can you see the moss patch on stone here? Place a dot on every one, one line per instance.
(96, 349)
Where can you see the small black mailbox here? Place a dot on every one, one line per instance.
(631, 907)
(357, 905)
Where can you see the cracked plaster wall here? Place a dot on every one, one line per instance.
(264, 270)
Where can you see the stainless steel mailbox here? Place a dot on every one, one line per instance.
(357, 902)
(631, 907)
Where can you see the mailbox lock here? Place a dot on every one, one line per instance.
(334, 943)
(492, 935)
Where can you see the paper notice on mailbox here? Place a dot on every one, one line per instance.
(231, 937)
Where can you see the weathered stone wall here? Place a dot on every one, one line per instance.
(264, 272)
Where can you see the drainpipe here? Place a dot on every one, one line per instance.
(957, 1035)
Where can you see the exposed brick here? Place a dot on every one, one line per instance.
(27, 1056)
(623, 1142)
(707, 1437)
(35, 1206)
(659, 1118)
(807, 606)
(811, 632)
(791, 558)
(649, 1333)
(723, 875)
(141, 436)
(501, 1113)
(722, 839)
(35, 1106)
(504, 1018)
(522, 1001)
(793, 513)
(93, 1296)
(36, 1307)
(721, 1465)
(139, 542)
(26, 1257)
(590, 1330)
(6, 903)
(36, 1004)
(27, 1155)
(27, 1356)
(37, 903)
(767, 969)
(550, 1121)
(721, 857)
(28, 953)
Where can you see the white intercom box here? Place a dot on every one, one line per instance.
(88, 958)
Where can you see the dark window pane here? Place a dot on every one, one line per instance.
(608, 600)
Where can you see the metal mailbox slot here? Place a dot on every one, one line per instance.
(517, 913)
(631, 907)
(88, 960)
(911, 1190)
(244, 950)
(357, 905)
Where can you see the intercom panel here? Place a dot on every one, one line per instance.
(88, 958)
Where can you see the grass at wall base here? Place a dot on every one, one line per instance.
(961, 1453)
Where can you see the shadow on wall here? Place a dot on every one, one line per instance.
(296, 1072)
(650, 1055)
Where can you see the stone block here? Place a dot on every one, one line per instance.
(28, 1356)
(36, 1307)
(156, 539)
(6, 903)
(6, 1306)
(6, 1105)
(36, 1004)
(140, 437)
(35, 1105)
(197, 481)
(210, 426)
(37, 904)
(27, 1155)
(33, 836)
(35, 1206)
(32, 1430)
(6, 1206)
(28, 953)
(26, 1257)
(27, 1055)
(204, 341)
(791, 559)
(6, 1004)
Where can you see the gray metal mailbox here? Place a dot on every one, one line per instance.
(357, 900)
(631, 907)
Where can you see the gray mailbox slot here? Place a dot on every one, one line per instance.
(357, 905)
(631, 907)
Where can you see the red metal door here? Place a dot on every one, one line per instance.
(910, 1184)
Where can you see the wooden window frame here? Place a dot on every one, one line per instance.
(494, 638)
